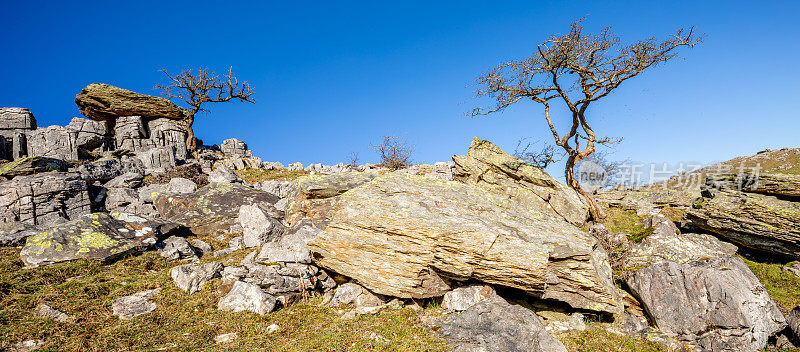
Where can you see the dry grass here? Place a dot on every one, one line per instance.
(251, 175)
(191, 171)
(85, 290)
(596, 339)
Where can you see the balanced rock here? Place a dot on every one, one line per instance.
(716, 304)
(757, 221)
(494, 325)
(93, 236)
(407, 236)
(105, 102)
(212, 209)
(488, 167)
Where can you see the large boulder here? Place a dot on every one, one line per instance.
(488, 167)
(93, 236)
(494, 325)
(105, 102)
(247, 297)
(756, 221)
(233, 146)
(44, 199)
(716, 304)
(212, 209)
(32, 165)
(409, 236)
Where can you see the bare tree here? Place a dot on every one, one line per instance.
(204, 86)
(576, 69)
(352, 159)
(540, 158)
(394, 152)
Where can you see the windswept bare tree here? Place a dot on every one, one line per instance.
(203, 86)
(394, 152)
(576, 69)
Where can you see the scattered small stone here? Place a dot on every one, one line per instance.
(226, 338)
(28, 345)
(273, 329)
(176, 248)
(203, 246)
(462, 298)
(377, 337)
(192, 278)
(132, 306)
(46, 311)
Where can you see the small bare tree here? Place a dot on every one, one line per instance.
(540, 158)
(203, 86)
(352, 159)
(576, 69)
(394, 152)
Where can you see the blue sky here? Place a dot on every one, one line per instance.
(332, 77)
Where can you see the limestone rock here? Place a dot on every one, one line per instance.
(292, 247)
(28, 345)
(495, 325)
(44, 199)
(105, 102)
(16, 118)
(281, 189)
(15, 233)
(756, 221)
(258, 226)
(355, 295)
(176, 248)
(191, 278)
(213, 209)
(54, 142)
(326, 186)
(557, 322)
(226, 338)
(233, 146)
(666, 243)
(106, 169)
(129, 307)
(157, 160)
(93, 236)
(222, 174)
(247, 297)
(32, 165)
(180, 185)
(130, 179)
(488, 167)
(717, 304)
(407, 236)
(49, 312)
(462, 298)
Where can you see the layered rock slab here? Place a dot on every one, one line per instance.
(489, 167)
(757, 221)
(44, 199)
(410, 236)
(101, 102)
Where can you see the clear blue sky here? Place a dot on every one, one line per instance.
(331, 77)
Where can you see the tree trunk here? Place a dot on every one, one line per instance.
(191, 142)
(595, 212)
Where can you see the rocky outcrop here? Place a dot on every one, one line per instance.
(410, 236)
(233, 146)
(495, 325)
(462, 298)
(71, 142)
(93, 236)
(141, 134)
(14, 123)
(488, 167)
(214, 208)
(717, 304)
(752, 220)
(105, 102)
(771, 184)
(32, 165)
(44, 199)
